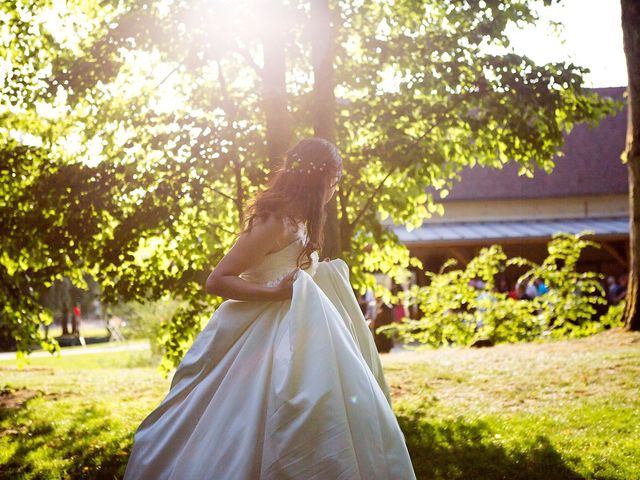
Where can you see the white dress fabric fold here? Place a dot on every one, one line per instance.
(288, 389)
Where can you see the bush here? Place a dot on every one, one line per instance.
(143, 320)
(456, 311)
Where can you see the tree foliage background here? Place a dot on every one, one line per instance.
(133, 132)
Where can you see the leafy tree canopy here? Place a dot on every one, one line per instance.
(133, 132)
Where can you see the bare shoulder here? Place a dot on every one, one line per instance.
(269, 227)
(275, 231)
(252, 246)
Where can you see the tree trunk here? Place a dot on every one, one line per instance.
(64, 320)
(631, 36)
(234, 152)
(278, 123)
(346, 229)
(75, 324)
(324, 105)
(64, 293)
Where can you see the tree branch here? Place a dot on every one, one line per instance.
(252, 63)
(375, 192)
(237, 168)
(217, 225)
(378, 188)
(219, 192)
(166, 77)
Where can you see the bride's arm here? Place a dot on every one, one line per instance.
(250, 249)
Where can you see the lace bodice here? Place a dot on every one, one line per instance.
(277, 265)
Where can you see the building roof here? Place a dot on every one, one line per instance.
(479, 231)
(591, 165)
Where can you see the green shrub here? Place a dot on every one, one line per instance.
(454, 311)
(144, 320)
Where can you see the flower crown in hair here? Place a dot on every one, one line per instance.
(295, 165)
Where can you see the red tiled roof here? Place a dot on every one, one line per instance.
(591, 165)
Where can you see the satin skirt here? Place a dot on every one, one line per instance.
(278, 390)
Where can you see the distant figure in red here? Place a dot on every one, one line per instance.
(75, 320)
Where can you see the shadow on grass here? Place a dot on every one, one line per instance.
(463, 450)
(66, 438)
(62, 441)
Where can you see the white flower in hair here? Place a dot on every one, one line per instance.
(295, 165)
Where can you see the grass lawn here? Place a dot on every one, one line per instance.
(85, 331)
(557, 410)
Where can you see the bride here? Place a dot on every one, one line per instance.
(284, 382)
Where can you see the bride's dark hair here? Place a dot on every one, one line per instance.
(296, 191)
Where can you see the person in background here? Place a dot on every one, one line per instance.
(531, 290)
(613, 288)
(400, 311)
(97, 308)
(541, 288)
(502, 285)
(371, 307)
(482, 297)
(513, 293)
(75, 320)
(621, 291)
(384, 316)
(520, 291)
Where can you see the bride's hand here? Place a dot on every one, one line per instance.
(284, 289)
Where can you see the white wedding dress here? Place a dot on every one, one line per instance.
(276, 390)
